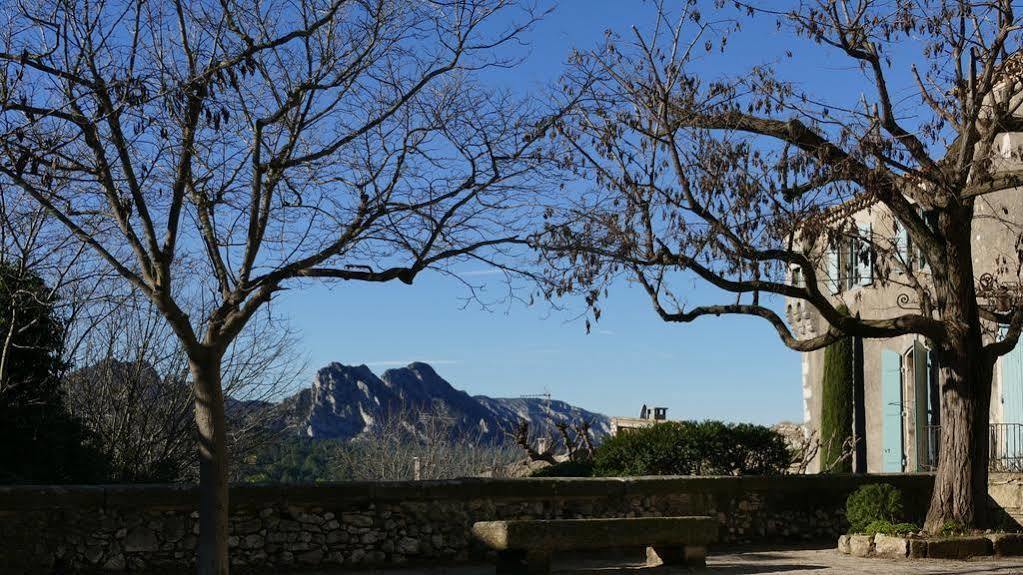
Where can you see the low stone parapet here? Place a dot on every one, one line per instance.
(277, 528)
(919, 547)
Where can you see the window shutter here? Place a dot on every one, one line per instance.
(850, 268)
(921, 383)
(796, 274)
(921, 258)
(834, 270)
(902, 245)
(864, 260)
(891, 411)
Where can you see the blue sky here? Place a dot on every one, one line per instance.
(732, 369)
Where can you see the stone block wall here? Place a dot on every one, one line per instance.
(1006, 493)
(279, 528)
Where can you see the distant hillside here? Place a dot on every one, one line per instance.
(542, 414)
(345, 401)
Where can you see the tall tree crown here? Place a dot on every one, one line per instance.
(224, 149)
(740, 179)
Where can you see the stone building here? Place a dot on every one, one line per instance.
(647, 416)
(874, 270)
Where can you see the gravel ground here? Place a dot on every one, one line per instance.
(756, 562)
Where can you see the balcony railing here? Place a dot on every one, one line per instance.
(1005, 443)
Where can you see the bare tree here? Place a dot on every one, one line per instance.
(576, 441)
(744, 181)
(30, 246)
(127, 378)
(415, 444)
(807, 448)
(131, 389)
(219, 152)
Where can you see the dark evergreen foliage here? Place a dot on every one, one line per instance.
(292, 460)
(871, 503)
(42, 442)
(694, 448)
(566, 469)
(837, 406)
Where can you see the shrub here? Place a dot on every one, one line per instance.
(837, 405)
(874, 502)
(693, 448)
(953, 528)
(885, 527)
(566, 469)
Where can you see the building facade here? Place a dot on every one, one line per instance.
(874, 270)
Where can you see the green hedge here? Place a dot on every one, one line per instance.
(566, 469)
(693, 448)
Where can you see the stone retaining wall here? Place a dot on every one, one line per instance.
(1006, 491)
(152, 528)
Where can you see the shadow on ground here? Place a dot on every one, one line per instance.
(808, 560)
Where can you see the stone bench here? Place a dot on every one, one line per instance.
(526, 546)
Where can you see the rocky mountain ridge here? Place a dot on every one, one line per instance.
(346, 401)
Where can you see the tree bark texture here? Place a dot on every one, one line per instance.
(960, 488)
(211, 424)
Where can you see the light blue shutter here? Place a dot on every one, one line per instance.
(921, 257)
(921, 383)
(891, 414)
(834, 270)
(1012, 399)
(864, 263)
(902, 244)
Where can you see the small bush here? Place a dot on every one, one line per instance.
(888, 528)
(693, 448)
(870, 503)
(953, 528)
(565, 469)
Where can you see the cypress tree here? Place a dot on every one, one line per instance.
(42, 442)
(837, 405)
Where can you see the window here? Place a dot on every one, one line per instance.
(797, 276)
(861, 255)
(850, 260)
(919, 380)
(913, 257)
(835, 279)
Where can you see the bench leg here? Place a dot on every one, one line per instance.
(521, 562)
(538, 563)
(684, 555)
(511, 561)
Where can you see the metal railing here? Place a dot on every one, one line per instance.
(1005, 441)
(1006, 447)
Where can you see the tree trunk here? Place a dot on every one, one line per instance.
(213, 497)
(960, 488)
